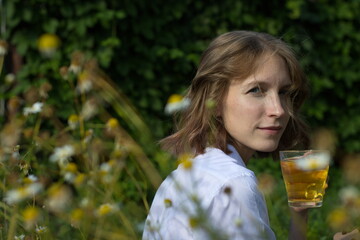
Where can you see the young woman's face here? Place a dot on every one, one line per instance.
(255, 110)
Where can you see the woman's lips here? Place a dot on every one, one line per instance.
(273, 130)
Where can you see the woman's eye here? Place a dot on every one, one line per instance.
(284, 92)
(255, 90)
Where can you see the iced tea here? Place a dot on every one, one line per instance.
(305, 187)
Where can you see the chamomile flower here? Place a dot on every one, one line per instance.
(9, 78)
(31, 215)
(350, 197)
(106, 171)
(73, 121)
(30, 179)
(176, 103)
(20, 237)
(338, 219)
(112, 124)
(69, 172)
(314, 161)
(59, 198)
(41, 229)
(48, 44)
(74, 68)
(35, 108)
(17, 195)
(77, 60)
(62, 154)
(84, 82)
(76, 216)
(185, 160)
(106, 209)
(89, 109)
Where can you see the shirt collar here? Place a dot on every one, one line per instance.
(235, 155)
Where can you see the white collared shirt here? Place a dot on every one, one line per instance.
(217, 198)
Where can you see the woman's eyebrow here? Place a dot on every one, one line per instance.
(263, 83)
(256, 83)
(287, 85)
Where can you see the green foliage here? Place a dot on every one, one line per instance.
(151, 49)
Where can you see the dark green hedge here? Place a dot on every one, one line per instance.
(151, 48)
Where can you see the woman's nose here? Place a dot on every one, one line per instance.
(275, 106)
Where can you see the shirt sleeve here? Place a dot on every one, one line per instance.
(239, 210)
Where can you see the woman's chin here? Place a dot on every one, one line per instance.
(267, 148)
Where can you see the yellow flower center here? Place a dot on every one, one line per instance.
(112, 123)
(175, 98)
(77, 214)
(168, 202)
(80, 178)
(73, 118)
(71, 167)
(186, 160)
(105, 209)
(48, 41)
(30, 214)
(338, 218)
(313, 164)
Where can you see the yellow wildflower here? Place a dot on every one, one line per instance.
(30, 179)
(84, 82)
(31, 215)
(35, 108)
(59, 197)
(176, 103)
(48, 44)
(89, 109)
(88, 136)
(186, 160)
(73, 121)
(79, 179)
(338, 219)
(41, 229)
(71, 167)
(314, 161)
(112, 123)
(106, 209)
(17, 195)
(20, 237)
(76, 216)
(77, 60)
(167, 202)
(62, 154)
(194, 222)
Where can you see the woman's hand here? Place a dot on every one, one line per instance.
(354, 235)
(298, 223)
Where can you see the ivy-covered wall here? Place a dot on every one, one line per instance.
(151, 48)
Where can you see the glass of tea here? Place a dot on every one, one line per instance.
(305, 175)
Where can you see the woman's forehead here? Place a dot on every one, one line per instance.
(270, 69)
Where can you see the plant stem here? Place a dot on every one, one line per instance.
(12, 227)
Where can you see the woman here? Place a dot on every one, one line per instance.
(245, 98)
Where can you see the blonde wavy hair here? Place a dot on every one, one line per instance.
(234, 56)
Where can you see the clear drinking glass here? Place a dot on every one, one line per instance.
(305, 175)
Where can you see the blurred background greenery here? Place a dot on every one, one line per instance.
(146, 51)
